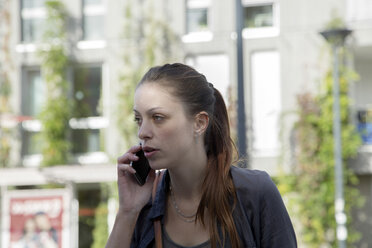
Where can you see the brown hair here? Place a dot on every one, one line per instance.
(193, 89)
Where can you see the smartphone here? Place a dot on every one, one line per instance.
(142, 168)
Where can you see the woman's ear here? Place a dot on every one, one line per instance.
(201, 123)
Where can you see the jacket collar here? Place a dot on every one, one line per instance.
(159, 205)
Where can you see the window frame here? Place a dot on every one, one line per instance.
(26, 87)
(93, 10)
(262, 32)
(98, 122)
(200, 35)
(30, 14)
(263, 115)
(31, 126)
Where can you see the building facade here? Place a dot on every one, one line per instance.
(283, 53)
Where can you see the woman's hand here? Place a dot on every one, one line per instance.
(132, 196)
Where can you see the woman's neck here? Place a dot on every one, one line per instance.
(187, 178)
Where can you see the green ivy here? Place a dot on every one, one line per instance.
(57, 110)
(312, 182)
(100, 231)
(6, 133)
(148, 41)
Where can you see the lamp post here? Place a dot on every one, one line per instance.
(242, 142)
(336, 38)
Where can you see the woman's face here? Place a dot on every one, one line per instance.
(30, 225)
(165, 131)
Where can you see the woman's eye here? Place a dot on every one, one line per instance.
(137, 120)
(158, 118)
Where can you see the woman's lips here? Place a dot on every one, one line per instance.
(149, 151)
(149, 154)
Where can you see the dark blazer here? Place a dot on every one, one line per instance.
(260, 216)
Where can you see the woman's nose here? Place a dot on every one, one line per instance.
(144, 131)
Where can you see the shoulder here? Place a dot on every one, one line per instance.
(247, 173)
(260, 199)
(255, 181)
(256, 190)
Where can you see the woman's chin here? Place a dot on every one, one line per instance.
(156, 166)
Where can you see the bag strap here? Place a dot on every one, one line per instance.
(157, 224)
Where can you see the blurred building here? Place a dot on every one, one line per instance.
(284, 55)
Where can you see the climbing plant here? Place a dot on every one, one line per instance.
(56, 111)
(6, 64)
(148, 41)
(312, 182)
(100, 231)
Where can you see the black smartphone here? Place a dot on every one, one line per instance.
(142, 168)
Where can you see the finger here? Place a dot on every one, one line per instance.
(126, 168)
(127, 158)
(129, 155)
(135, 148)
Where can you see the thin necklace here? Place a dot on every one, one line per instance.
(183, 217)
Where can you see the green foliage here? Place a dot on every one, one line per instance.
(313, 179)
(6, 133)
(57, 110)
(5, 92)
(100, 231)
(336, 22)
(148, 41)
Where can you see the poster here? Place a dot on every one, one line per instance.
(36, 218)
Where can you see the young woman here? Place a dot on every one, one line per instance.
(202, 200)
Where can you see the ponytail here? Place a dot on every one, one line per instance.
(218, 188)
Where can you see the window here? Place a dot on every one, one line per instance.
(33, 92)
(361, 94)
(31, 143)
(86, 125)
(85, 141)
(216, 69)
(31, 147)
(266, 102)
(197, 21)
(33, 98)
(365, 125)
(33, 3)
(258, 16)
(87, 90)
(197, 16)
(87, 122)
(93, 19)
(260, 20)
(32, 18)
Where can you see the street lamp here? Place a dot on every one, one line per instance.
(336, 38)
(242, 143)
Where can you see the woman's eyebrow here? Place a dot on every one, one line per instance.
(151, 110)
